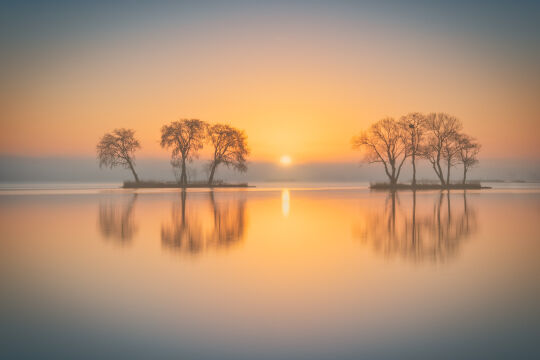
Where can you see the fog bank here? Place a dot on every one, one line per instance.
(86, 169)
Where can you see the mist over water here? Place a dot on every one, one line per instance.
(86, 170)
(270, 272)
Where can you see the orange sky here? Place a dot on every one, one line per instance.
(298, 82)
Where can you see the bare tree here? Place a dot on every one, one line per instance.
(441, 131)
(117, 148)
(185, 137)
(450, 152)
(230, 148)
(384, 142)
(467, 155)
(413, 125)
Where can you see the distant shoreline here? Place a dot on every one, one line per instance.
(175, 185)
(386, 186)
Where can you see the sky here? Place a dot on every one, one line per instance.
(300, 77)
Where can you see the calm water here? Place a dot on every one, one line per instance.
(270, 273)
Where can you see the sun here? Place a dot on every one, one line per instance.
(285, 160)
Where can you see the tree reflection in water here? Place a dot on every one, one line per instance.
(194, 229)
(434, 234)
(229, 221)
(116, 220)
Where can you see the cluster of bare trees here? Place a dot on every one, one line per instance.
(435, 137)
(185, 138)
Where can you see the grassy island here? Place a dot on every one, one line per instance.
(172, 184)
(387, 186)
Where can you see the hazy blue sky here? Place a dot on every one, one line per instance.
(300, 77)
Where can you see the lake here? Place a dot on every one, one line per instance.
(280, 271)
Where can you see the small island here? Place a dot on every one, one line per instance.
(387, 186)
(435, 137)
(185, 138)
(174, 185)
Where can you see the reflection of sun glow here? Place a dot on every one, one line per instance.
(285, 202)
(285, 160)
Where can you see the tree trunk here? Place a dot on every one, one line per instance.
(448, 173)
(390, 176)
(464, 174)
(133, 171)
(439, 174)
(183, 176)
(393, 179)
(439, 169)
(212, 172)
(414, 170)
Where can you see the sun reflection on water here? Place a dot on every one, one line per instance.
(285, 202)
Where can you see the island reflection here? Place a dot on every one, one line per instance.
(116, 221)
(432, 231)
(193, 230)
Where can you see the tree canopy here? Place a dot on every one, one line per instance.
(229, 148)
(384, 143)
(117, 148)
(185, 137)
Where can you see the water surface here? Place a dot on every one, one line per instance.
(274, 272)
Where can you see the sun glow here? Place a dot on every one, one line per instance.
(285, 160)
